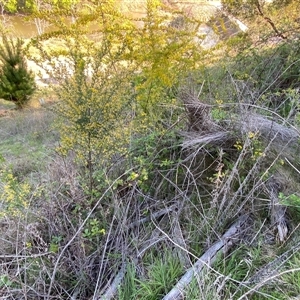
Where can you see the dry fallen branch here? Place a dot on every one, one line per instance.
(277, 210)
(272, 268)
(155, 215)
(204, 130)
(214, 138)
(113, 288)
(269, 129)
(222, 246)
(280, 134)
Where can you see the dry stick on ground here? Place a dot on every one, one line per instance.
(113, 288)
(204, 130)
(267, 280)
(79, 230)
(277, 211)
(272, 268)
(250, 122)
(222, 246)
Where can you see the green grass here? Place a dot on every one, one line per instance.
(161, 274)
(26, 143)
(6, 104)
(26, 140)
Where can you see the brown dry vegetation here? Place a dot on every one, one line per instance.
(203, 205)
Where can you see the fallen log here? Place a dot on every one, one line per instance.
(284, 138)
(222, 246)
(204, 130)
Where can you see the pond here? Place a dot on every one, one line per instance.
(25, 27)
(19, 25)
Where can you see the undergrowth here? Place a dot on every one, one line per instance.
(130, 222)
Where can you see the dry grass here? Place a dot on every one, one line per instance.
(53, 253)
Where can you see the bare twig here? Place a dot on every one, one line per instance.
(277, 210)
(76, 233)
(261, 13)
(155, 215)
(222, 246)
(113, 288)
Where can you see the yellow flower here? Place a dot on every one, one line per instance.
(238, 145)
(28, 245)
(251, 135)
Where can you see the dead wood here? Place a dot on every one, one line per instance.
(202, 129)
(196, 140)
(278, 218)
(230, 238)
(113, 288)
(273, 267)
(280, 137)
(198, 113)
(284, 137)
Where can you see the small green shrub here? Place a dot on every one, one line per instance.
(162, 274)
(16, 81)
(15, 196)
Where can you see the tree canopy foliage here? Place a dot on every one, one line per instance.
(17, 83)
(268, 18)
(13, 6)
